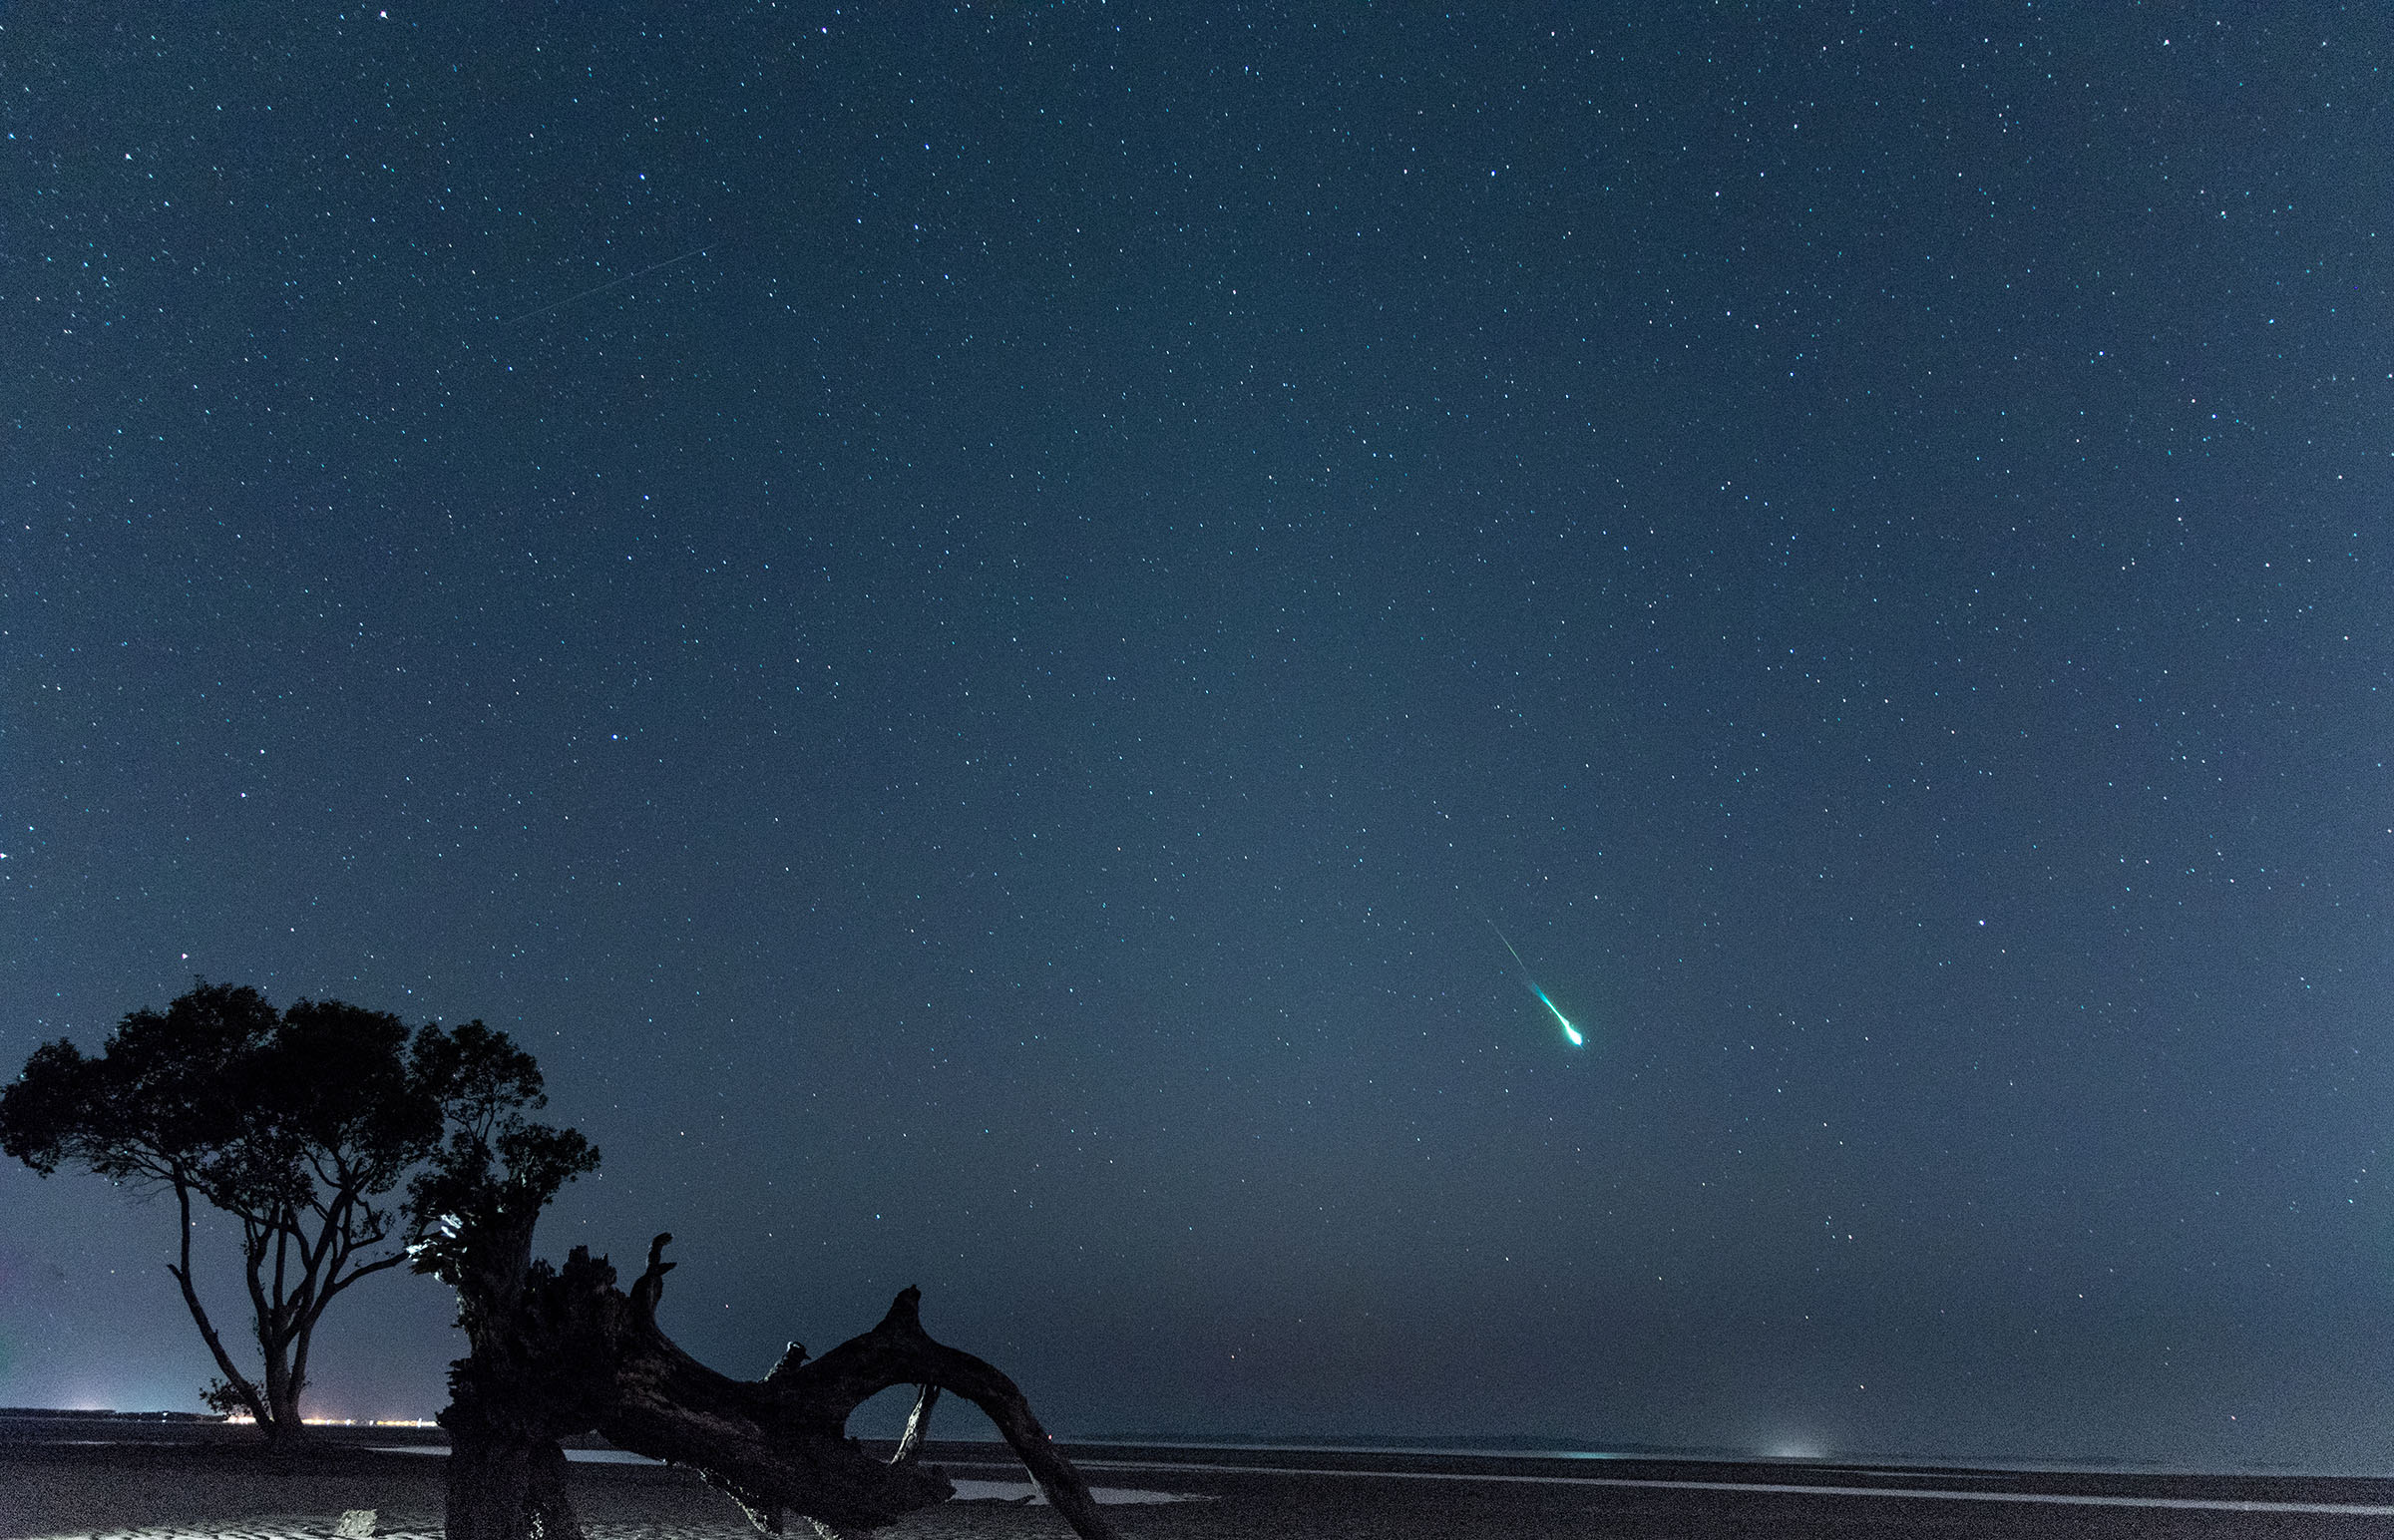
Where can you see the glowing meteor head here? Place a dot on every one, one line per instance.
(1570, 1032)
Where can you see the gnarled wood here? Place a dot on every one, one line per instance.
(565, 1352)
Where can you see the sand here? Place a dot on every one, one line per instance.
(215, 1488)
(169, 1490)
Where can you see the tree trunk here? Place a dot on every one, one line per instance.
(560, 1352)
(506, 1414)
(507, 1485)
(282, 1403)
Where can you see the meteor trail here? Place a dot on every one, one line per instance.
(1570, 1032)
(608, 285)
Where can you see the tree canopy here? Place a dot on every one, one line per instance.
(298, 1123)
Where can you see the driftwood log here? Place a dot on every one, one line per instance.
(560, 1352)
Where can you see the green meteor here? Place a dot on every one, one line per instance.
(1570, 1032)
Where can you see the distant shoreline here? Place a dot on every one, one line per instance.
(14, 1422)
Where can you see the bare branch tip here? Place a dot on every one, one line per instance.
(905, 1310)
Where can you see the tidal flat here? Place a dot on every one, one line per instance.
(204, 1482)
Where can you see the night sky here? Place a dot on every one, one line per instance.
(983, 715)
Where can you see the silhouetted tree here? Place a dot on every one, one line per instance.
(297, 1123)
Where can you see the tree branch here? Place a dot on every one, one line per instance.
(234, 1379)
(579, 1354)
(899, 1351)
(918, 1426)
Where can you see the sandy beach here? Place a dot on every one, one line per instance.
(211, 1484)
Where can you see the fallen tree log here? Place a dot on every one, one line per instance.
(557, 1353)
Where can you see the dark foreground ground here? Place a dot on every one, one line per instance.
(59, 1479)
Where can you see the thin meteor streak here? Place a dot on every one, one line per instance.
(1570, 1032)
(602, 288)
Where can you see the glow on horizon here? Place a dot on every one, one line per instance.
(243, 1419)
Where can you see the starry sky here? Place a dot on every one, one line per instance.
(972, 619)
